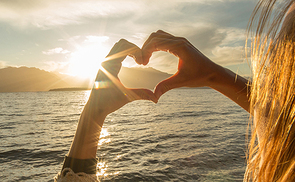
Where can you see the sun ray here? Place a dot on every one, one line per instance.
(121, 54)
(115, 81)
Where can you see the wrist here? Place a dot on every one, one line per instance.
(231, 85)
(217, 76)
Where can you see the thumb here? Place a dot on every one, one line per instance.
(142, 94)
(168, 84)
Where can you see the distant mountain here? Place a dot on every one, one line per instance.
(24, 79)
(141, 77)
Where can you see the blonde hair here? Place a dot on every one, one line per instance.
(271, 152)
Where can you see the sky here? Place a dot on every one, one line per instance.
(74, 36)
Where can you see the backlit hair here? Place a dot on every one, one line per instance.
(271, 152)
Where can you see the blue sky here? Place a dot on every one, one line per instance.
(74, 36)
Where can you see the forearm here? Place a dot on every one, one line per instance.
(104, 99)
(231, 85)
(84, 145)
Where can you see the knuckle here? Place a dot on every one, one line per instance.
(182, 42)
(182, 39)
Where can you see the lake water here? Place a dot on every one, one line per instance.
(190, 135)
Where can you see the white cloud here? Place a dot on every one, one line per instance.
(233, 36)
(216, 27)
(229, 55)
(96, 39)
(71, 39)
(45, 14)
(57, 50)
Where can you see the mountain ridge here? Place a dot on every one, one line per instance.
(32, 79)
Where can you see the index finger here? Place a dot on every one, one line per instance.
(158, 34)
(122, 49)
(171, 45)
(118, 53)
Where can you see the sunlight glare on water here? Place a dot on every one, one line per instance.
(190, 135)
(104, 137)
(102, 168)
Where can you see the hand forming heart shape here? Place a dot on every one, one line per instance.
(109, 94)
(194, 68)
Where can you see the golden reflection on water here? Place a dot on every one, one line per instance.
(101, 165)
(118, 157)
(104, 132)
(102, 170)
(104, 137)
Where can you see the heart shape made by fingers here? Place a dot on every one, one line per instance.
(107, 80)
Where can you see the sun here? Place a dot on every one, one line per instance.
(85, 61)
